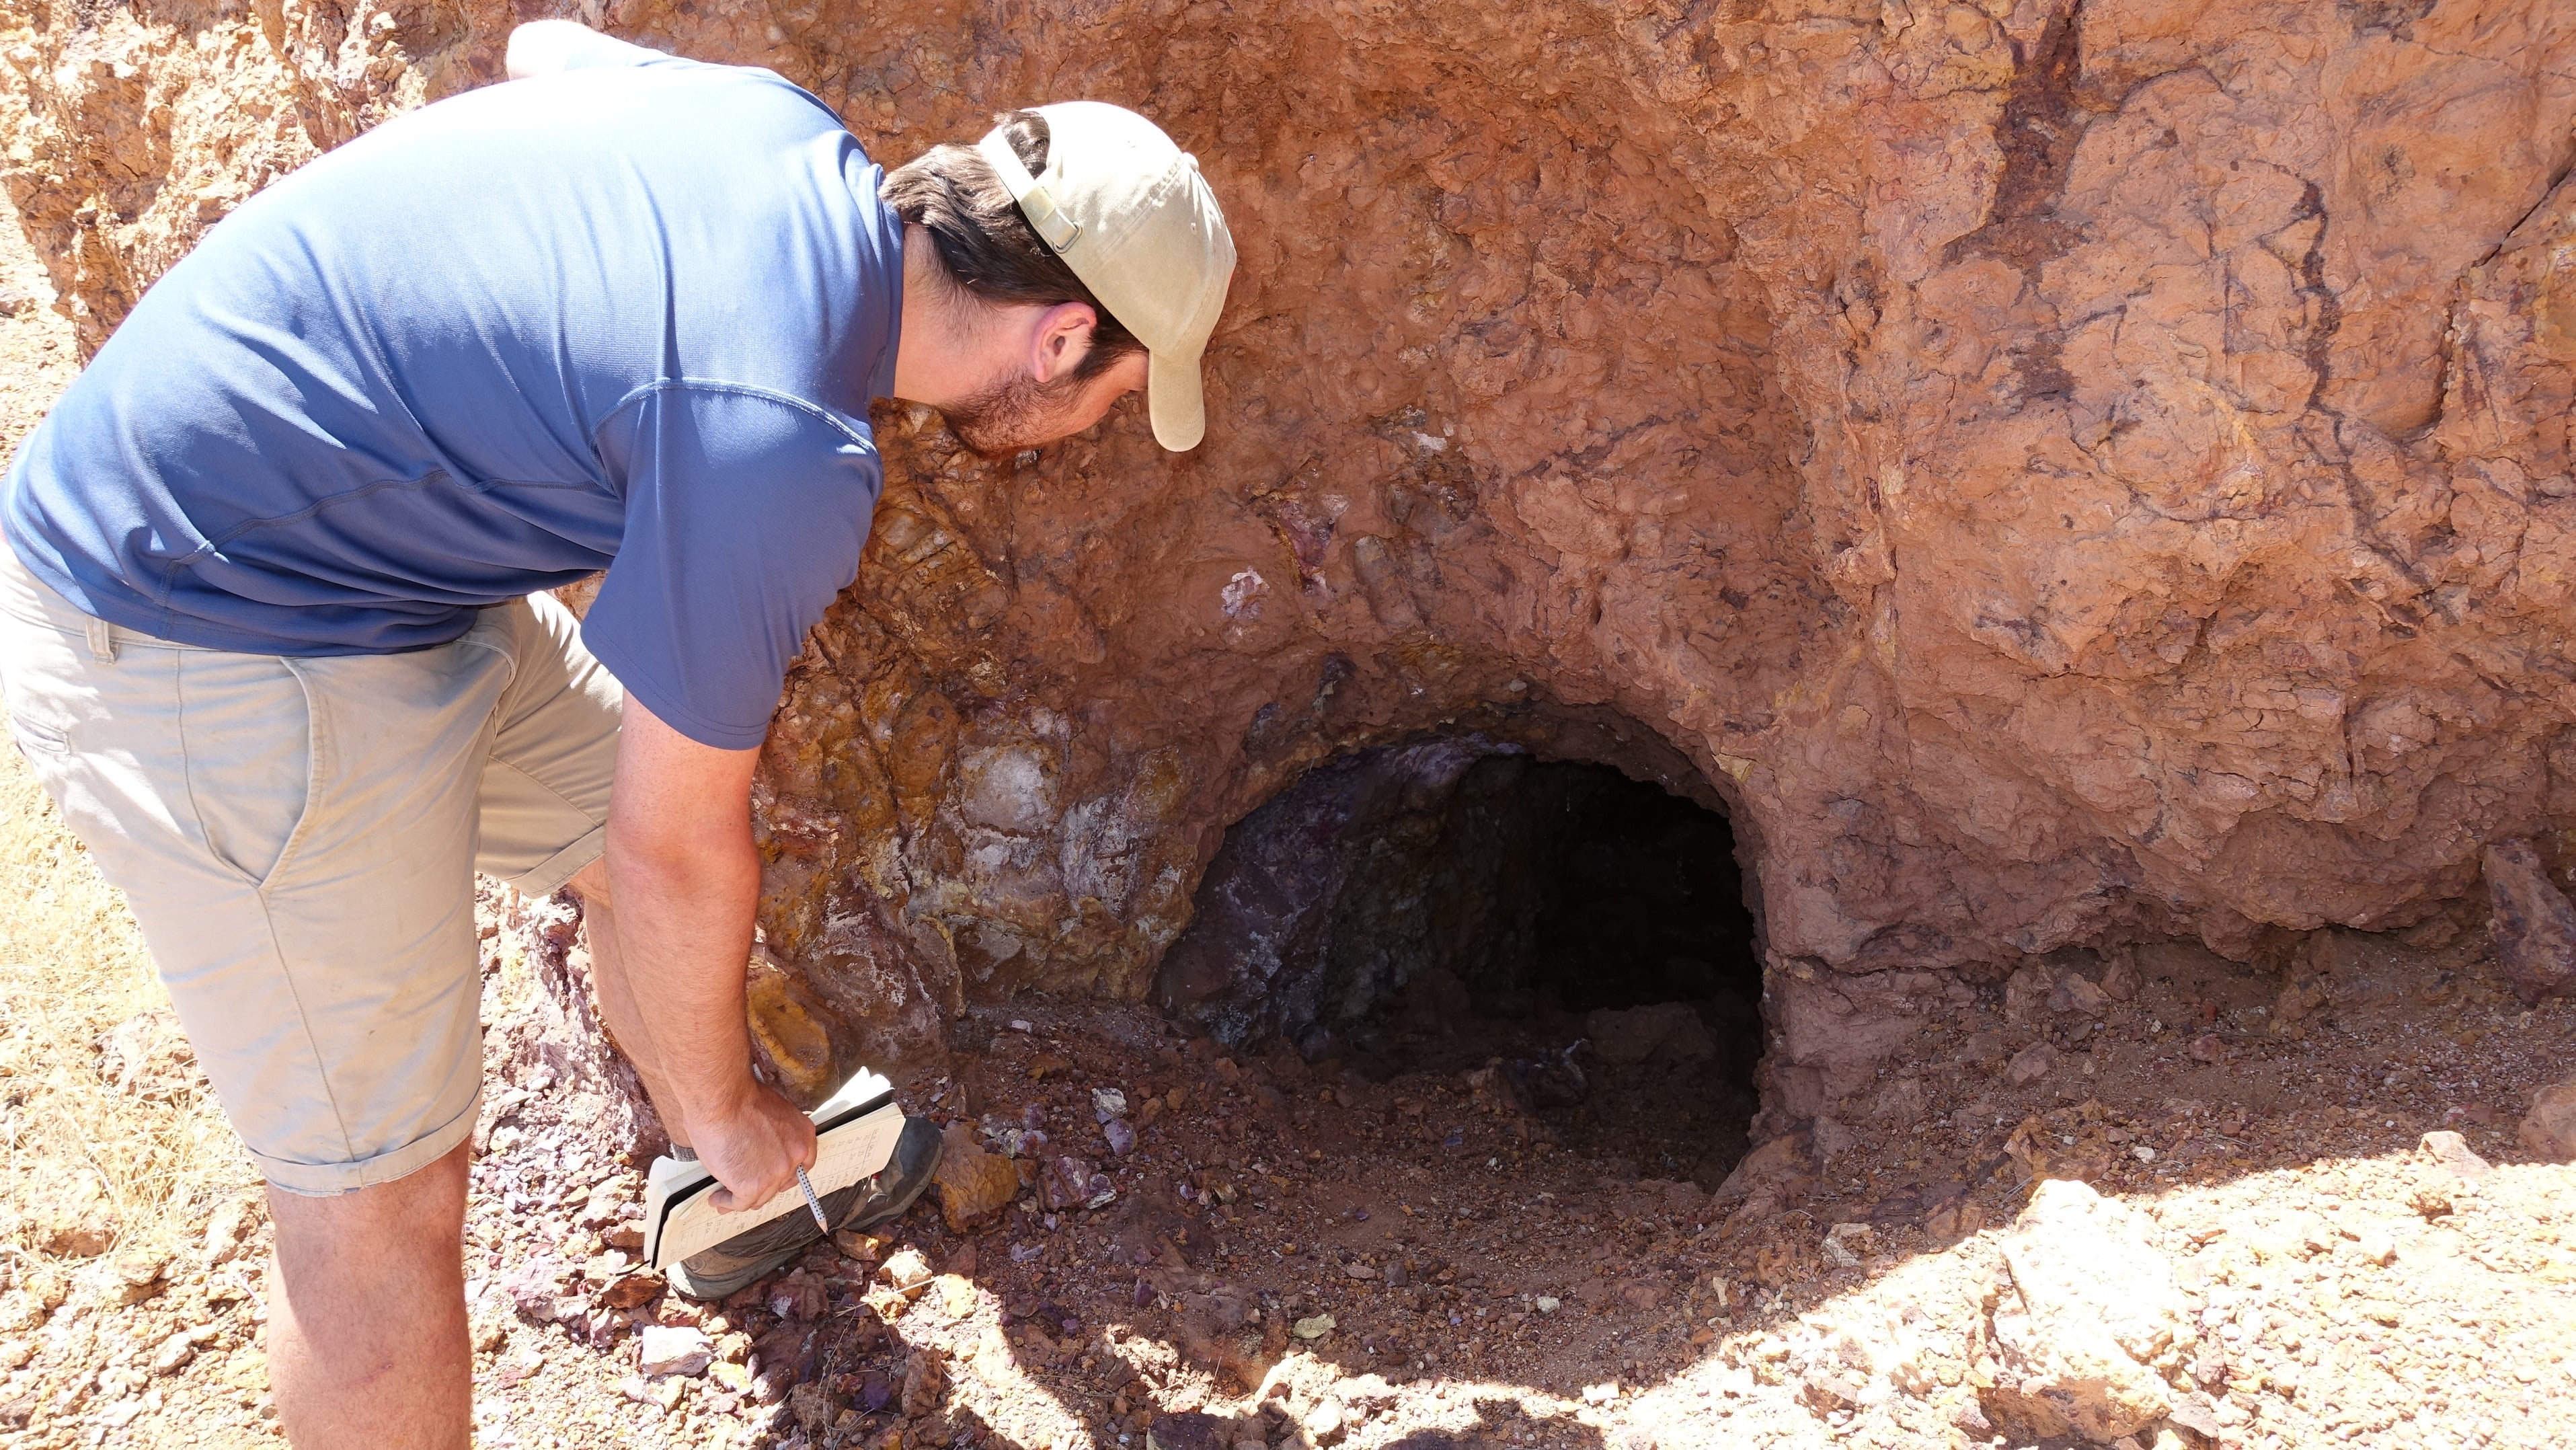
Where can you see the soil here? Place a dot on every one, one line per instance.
(1494, 1279)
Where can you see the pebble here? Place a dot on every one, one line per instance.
(2030, 1064)
(1071, 1182)
(674, 1350)
(1122, 1139)
(174, 1353)
(2451, 1153)
(1313, 1328)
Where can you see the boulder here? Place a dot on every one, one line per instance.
(2089, 1321)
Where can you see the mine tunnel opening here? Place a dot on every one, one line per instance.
(1550, 942)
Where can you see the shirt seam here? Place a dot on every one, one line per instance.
(807, 406)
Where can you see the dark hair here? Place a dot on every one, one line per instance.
(985, 243)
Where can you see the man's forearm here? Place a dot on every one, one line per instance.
(684, 933)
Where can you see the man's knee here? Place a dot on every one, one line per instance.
(419, 1213)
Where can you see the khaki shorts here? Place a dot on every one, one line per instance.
(298, 839)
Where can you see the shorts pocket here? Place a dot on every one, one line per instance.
(248, 752)
(34, 737)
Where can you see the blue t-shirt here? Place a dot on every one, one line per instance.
(628, 317)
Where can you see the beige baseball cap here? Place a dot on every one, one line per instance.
(1130, 214)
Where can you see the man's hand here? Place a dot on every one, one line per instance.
(541, 47)
(755, 1153)
(684, 878)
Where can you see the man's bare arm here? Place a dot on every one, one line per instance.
(541, 47)
(685, 878)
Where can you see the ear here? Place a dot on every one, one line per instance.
(1061, 340)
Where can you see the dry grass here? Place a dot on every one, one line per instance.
(83, 1156)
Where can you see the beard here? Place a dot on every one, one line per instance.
(1014, 414)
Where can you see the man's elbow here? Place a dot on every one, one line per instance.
(542, 47)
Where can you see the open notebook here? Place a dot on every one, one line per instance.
(854, 1131)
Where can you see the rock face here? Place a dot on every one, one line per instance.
(2054, 473)
(2090, 1318)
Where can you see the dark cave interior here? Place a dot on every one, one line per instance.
(1440, 909)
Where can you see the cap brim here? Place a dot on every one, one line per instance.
(1175, 400)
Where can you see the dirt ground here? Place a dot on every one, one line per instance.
(1294, 1255)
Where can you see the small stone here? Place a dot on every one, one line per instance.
(2549, 1130)
(14, 1353)
(674, 1350)
(2375, 1247)
(2207, 1048)
(519, 1366)
(972, 1185)
(1847, 1245)
(2198, 1414)
(1324, 1421)
(907, 1269)
(2080, 995)
(1071, 1182)
(1313, 1328)
(138, 1275)
(226, 1230)
(1600, 1394)
(2026, 992)
(1188, 1430)
(2450, 1152)
(174, 1353)
(2030, 1064)
(1549, 1303)
(924, 1380)
(1108, 1103)
(2120, 977)
(633, 1291)
(1121, 1138)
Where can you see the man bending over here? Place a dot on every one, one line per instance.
(266, 630)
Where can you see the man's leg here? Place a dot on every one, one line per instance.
(366, 1313)
(296, 839)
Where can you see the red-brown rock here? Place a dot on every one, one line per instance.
(2095, 473)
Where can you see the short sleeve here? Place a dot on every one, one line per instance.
(602, 51)
(745, 512)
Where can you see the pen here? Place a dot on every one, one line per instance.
(812, 1202)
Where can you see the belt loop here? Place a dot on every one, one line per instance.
(102, 641)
